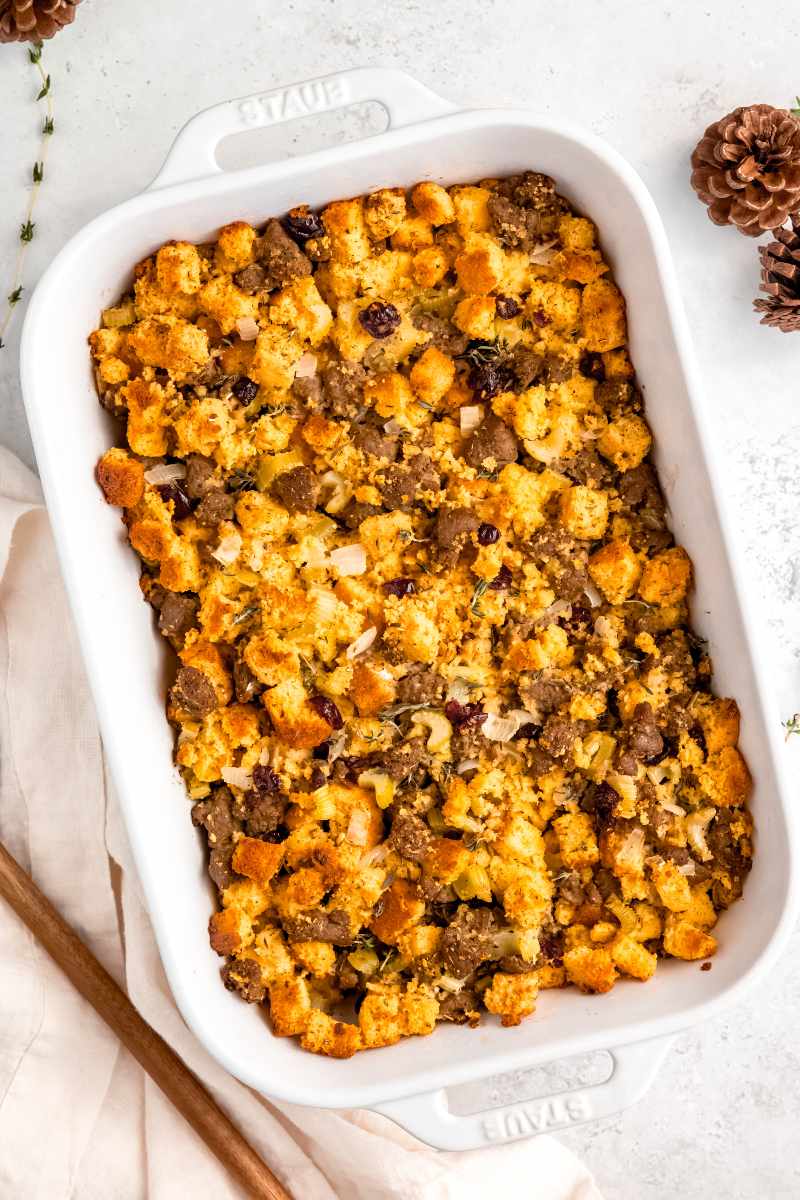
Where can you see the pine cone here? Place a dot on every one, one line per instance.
(780, 279)
(747, 168)
(34, 20)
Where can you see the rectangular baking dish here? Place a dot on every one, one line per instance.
(127, 663)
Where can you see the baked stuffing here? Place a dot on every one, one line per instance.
(438, 704)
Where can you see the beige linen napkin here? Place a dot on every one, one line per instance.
(78, 1118)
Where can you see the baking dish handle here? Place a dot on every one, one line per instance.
(429, 1118)
(193, 153)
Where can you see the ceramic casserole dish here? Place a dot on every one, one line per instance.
(127, 661)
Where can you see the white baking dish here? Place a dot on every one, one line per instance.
(190, 199)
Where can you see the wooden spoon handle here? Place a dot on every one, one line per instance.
(159, 1060)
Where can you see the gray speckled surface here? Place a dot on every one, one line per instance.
(721, 1117)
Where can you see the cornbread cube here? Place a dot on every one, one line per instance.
(592, 970)
(725, 778)
(277, 351)
(429, 266)
(178, 268)
(576, 233)
(257, 860)
(631, 958)
(432, 202)
(701, 911)
(480, 268)
(576, 840)
(560, 303)
(385, 211)
(113, 370)
(526, 900)
(625, 442)
(300, 306)
(666, 577)
(234, 249)
(603, 315)
(346, 227)
(402, 907)
(325, 1035)
(204, 426)
(471, 206)
(227, 303)
(512, 997)
(615, 569)
(420, 941)
(289, 1006)
(684, 940)
(550, 976)
(121, 478)
(432, 375)
(413, 234)
(170, 343)
(318, 958)
(295, 721)
(672, 887)
(370, 691)
(719, 720)
(475, 316)
(230, 930)
(447, 859)
(584, 511)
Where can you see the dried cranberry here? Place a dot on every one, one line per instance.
(245, 389)
(488, 379)
(488, 534)
(322, 750)
(507, 307)
(400, 587)
(592, 366)
(379, 318)
(301, 226)
(181, 502)
(502, 580)
(265, 780)
(464, 716)
(540, 319)
(327, 710)
(317, 779)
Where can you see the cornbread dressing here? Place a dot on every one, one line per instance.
(446, 727)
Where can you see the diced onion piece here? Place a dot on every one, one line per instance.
(458, 690)
(362, 642)
(675, 809)
(381, 783)
(440, 727)
(469, 418)
(553, 610)
(687, 868)
(392, 426)
(503, 728)
(604, 628)
(375, 856)
(336, 746)
(543, 254)
(163, 473)
(228, 549)
(631, 852)
(504, 942)
(358, 827)
(237, 777)
(336, 491)
(467, 764)
(450, 983)
(697, 824)
(349, 560)
(247, 328)
(595, 599)
(306, 366)
(325, 605)
(623, 785)
(499, 729)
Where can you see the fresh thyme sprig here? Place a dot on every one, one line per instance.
(27, 227)
(796, 110)
(792, 725)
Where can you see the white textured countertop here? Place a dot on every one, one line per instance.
(721, 1118)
